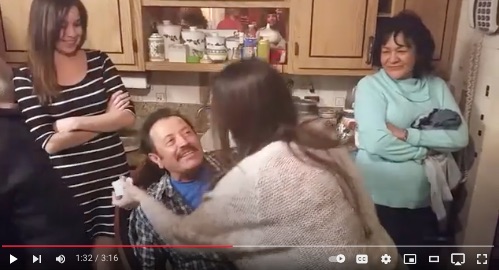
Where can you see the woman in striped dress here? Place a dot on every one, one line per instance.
(74, 101)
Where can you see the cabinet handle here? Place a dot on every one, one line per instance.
(296, 48)
(369, 59)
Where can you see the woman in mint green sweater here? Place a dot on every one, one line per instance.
(390, 151)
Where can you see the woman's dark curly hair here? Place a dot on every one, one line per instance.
(416, 35)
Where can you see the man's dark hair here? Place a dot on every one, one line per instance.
(146, 144)
(416, 35)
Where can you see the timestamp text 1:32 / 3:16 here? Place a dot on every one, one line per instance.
(96, 258)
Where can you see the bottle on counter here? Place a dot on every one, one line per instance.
(250, 43)
(263, 50)
(240, 48)
(156, 47)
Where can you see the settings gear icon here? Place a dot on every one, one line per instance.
(386, 259)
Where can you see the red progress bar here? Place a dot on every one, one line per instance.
(118, 246)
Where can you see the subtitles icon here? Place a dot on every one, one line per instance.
(410, 258)
(457, 259)
(361, 259)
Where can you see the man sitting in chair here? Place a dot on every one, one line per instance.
(171, 143)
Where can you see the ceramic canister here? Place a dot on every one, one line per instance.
(156, 48)
(194, 38)
(232, 45)
(170, 33)
(215, 42)
(269, 34)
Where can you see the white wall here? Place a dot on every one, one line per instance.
(482, 207)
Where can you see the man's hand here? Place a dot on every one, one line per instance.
(132, 195)
(399, 133)
(118, 101)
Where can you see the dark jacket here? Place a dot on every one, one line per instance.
(36, 208)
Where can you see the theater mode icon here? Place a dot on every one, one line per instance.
(434, 259)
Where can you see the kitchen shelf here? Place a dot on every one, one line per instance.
(217, 4)
(192, 67)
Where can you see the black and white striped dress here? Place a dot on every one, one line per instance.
(87, 169)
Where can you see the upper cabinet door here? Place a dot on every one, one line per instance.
(441, 17)
(14, 16)
(109, 29)
(334, 34)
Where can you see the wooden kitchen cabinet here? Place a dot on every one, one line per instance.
(442, 18)
(155, 12)
(334, 37)
(110, 29)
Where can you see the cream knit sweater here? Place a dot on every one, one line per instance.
(280, 209)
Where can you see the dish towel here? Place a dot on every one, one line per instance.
(444, 175)
(442, 171)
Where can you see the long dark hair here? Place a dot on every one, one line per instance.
(253, 102)
(46, 18)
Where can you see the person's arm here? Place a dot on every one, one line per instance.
(112, 120)
(40, 122)
(374, 136)
(208, 224)
(141, 235)
(442, 139)
(64, 140)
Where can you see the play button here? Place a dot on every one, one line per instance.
(12, 259)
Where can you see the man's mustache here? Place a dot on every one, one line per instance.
(185, 150)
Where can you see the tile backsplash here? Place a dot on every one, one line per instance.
(191, 88)
(190, 111)
(174, 87)
(332, 90)
(188, 91)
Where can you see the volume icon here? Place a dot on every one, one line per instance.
(60, 259)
